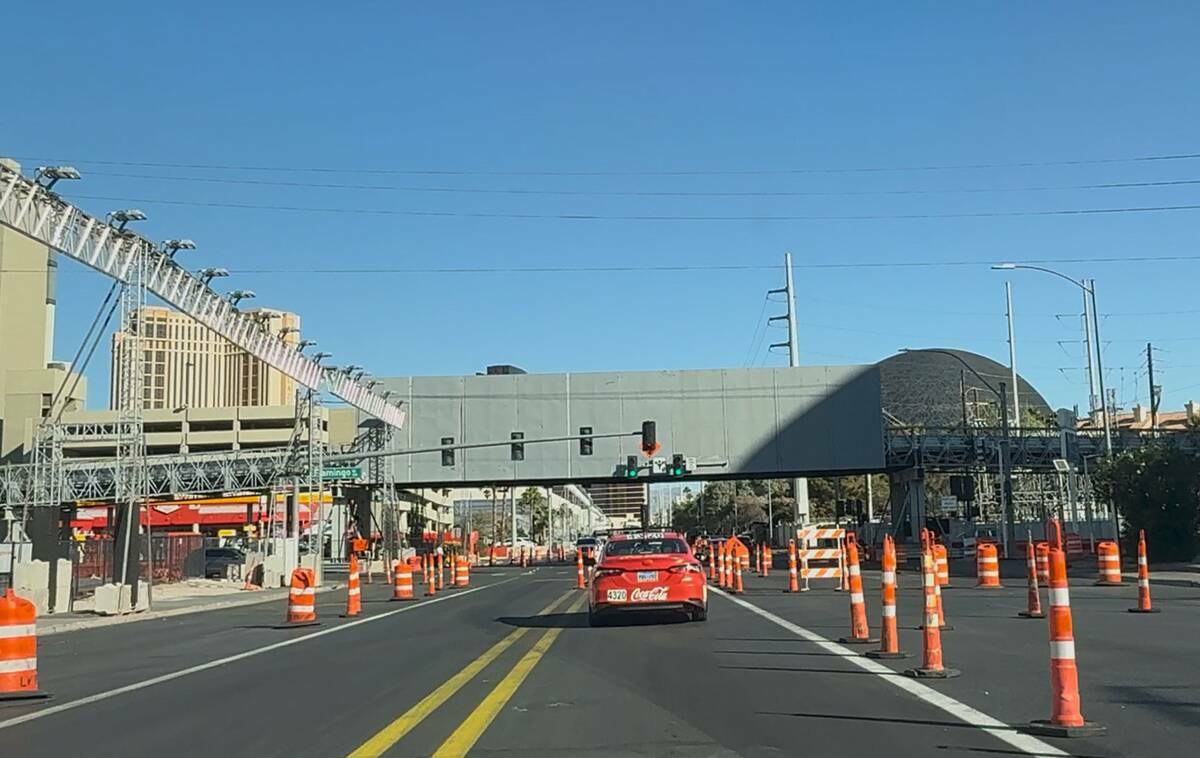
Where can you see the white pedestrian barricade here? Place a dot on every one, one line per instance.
(823, 546)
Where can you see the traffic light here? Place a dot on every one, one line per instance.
(631, 467)
(649, 438)
(585, 441)
(518, 448)
(447, 455)
(678, 465)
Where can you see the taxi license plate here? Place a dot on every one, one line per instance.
(616, 596)
(647, 576)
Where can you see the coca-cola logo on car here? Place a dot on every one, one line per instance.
(653, 595)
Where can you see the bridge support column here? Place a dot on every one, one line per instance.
(907, 502)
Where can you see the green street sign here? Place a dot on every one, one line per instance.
(344, 472)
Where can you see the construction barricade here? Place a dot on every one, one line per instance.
(821, 554)
(18, 649)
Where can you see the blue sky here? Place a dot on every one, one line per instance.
(587, 100)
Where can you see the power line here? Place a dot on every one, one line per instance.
(647, 217)
(643, 193)
(633, 172)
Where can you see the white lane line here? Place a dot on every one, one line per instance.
(73, 704)
(998, 729)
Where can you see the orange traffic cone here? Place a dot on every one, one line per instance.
(793, 575)
(722, 566)
(18, 649)
(758, 560)
(301, 607)
(1066, 720)
(353, 590)
(766, 560)
(737, 587)
(860, 634)
(430, 577)
(1143, 605)
(889, 639)
(987, 567)
(931, 666)
(1034, 609)
(942, 559)
(580, 581)
(441, 570)
(712, 563)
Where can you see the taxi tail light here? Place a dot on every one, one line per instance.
(606, 572)
(687, 568)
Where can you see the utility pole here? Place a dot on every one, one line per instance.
(512, 499)
(1087, 351)
(799, 484)
(1108, 448)
(1006, 506)
(1012, 358)
(1154, 390)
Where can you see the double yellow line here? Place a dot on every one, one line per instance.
(473, 727)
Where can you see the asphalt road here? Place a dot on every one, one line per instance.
(512, 668)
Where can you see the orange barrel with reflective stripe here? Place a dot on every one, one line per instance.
(18, 648)
(302, 598)
(1108, 564)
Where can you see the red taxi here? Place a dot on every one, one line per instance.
(650, 571)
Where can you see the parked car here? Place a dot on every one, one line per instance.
(218, 559)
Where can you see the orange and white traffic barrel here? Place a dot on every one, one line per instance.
(1144, 605)
(1066, 718)
(860, 634)
(889, 638)
(302, 597)
(1042, 555)
(402, 581)
(931, 664)
(18, 649)
(987, 567)
(1108, 564)
(462, 572)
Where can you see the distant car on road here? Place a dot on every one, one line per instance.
(590, 547)
(651, 571)
(218, 559)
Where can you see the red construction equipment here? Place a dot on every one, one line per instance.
(301, 607)
(1066, 719)
(860, 633)
(18, 649)
(353, 591)
(402, 581)
(1034, 609)
(1143, 605)
(987, 567)
(931, 666)
(793, 576)
(1108, 564)
(889, 639)
(580, 581)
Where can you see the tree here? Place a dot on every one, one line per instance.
(1156, 488)
(534, 502)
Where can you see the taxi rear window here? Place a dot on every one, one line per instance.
(659, 546)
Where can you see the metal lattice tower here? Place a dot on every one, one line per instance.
(130, 469)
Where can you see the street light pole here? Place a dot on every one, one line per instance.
(1012, 358)
(1108, 449)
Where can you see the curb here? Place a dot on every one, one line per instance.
(103, 621)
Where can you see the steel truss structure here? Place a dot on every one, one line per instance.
(35, 211)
